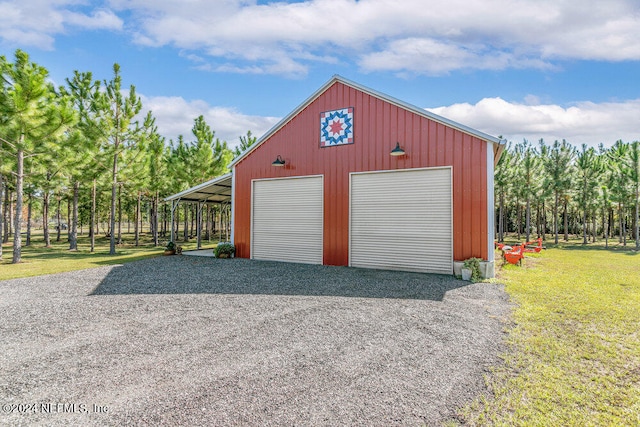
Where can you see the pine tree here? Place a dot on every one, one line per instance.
(503, 176)
(619, 182)
(31, 114)
(114, 115)
(82, 144)
(632, 170)
(134, 177)
(1, 211)
(156, 165)
(588, 169)
(558, 177)
(245, 143)
(208, 156)
(529, 170)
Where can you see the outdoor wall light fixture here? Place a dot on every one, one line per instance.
(278, 161)
(397, 151)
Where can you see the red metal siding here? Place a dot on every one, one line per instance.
(377, 126)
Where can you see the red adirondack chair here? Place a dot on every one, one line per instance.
(535, 246)
(513, 255)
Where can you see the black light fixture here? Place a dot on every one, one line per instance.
(397, 151)
(278, 161)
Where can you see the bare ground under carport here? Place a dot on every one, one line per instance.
(202, 341)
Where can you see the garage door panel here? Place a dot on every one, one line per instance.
(289, 238)
(287, 220)
(386, 238)
(402, 220)
(432, 252)
(400, 241)
(282, 228)
(405, 265)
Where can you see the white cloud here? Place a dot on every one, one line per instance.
(427, 56)
(175, 115)
(35, 23)
(582, 122)
(100, 19)
(284, 67)
(409, 36)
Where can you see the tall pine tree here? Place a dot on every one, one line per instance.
(115, 112)
(32, 114)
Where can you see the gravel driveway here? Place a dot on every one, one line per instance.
(200, 341)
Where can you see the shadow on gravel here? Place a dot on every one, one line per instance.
(194, 275)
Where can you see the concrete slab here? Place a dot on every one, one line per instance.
(201, 252)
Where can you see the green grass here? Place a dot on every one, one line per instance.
(38, 259)
(574, 342)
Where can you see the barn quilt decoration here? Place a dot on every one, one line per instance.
(336, 127)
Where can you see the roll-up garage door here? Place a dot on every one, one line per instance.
(402, 220)
(287, 219)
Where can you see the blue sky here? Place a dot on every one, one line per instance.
(517, 68)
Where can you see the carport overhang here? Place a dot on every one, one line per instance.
(217, 190)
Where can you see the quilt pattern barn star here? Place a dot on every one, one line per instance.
(336, 127)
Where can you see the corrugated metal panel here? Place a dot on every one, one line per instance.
(401, 105)
(402, 220)
(288, 220)
(377, 127)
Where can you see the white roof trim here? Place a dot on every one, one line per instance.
(206, 191)
(376, 94)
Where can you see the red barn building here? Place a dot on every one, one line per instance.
(353, 177)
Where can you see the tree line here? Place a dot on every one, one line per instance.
(560, 189)
(87, 142)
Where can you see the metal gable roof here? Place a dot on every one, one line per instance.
(217, 190)
(417, 110)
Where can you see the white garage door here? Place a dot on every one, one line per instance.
(287, 220)
(402, 220)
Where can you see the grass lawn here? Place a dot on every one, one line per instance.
(38, 259)
(574, 344)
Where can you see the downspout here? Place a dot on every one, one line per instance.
(491, 161)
